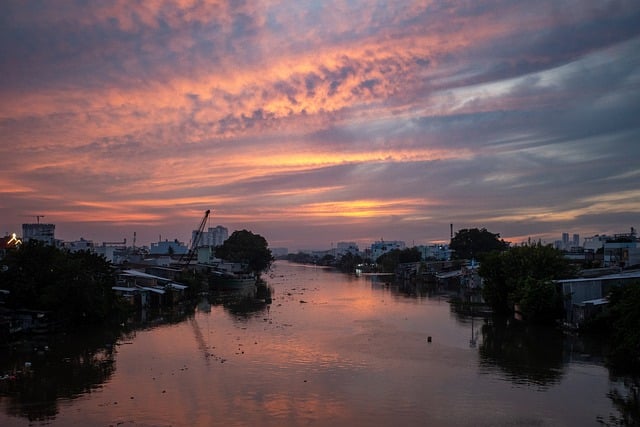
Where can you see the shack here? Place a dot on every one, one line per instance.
(147, 290)
(586, 296)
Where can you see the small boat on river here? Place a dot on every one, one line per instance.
(227, 280)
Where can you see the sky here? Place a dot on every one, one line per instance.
(316, 122)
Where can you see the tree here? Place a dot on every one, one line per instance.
(327, 260)
(302, 258)
(75, 286)
(474, 243)
(390, 260)
(523, 275)
(498, 289)
(247, 248)
(624, 318)
(348, 262)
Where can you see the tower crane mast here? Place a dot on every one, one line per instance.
(186, 259)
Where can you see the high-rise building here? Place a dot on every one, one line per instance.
(42, 232)
(576, 241)
(565, 241)
(212, 237)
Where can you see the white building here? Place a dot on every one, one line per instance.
(168, 247)
(621, 252)
(596, 242)
(212, 237)
(108, 252)
(342, 248)
(79, 245)
(618, 250)
(380, 248)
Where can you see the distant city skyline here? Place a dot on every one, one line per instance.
(213, 236)
(317, 122)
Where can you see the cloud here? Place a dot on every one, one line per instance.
(365, 115)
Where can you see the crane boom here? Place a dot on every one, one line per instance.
(186, 259)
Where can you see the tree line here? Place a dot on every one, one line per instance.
(75, 287)
(521, 277)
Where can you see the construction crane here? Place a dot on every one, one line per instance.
(186, 259)
(37, 217)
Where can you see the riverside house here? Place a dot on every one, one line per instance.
(146, 290)
(585, 297)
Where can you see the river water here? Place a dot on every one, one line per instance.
(328, 350)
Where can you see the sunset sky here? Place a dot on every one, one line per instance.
(314, 122)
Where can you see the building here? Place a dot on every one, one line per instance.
(42, 232)
(79, 245)
(167, 247)
(581, 256)
(567, 244)
(435, 252)
(147, 290)
(206, 255)
(575, 243)
(212, 237)
(108, 252)
(380, 248)
(621, 252)
(342, 248)
(8, 242)
(583, 294)
(596, 242)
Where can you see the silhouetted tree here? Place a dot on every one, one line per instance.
(390, 260)
(245, 247)
(348, 262)
(624, 321)
(76, 286)
(523, 275)
(474, 243)
(302, 258)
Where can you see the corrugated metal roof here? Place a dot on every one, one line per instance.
(449, 274)
(625, 275)
(136, 273)
(124, 289)
(597, 301)
(156, 290)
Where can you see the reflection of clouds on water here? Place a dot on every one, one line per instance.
(351, 355)
(38, 375)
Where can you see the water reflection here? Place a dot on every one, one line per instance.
(354, 353)
(37, 373)
(625, 396)
(408, 289)
(525, 354)
(243, 303)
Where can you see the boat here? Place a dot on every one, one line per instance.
(219, 279)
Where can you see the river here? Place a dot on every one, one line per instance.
(328, 350)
